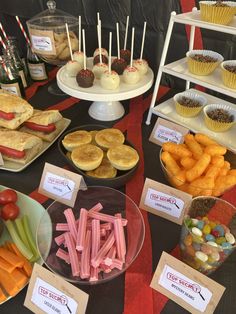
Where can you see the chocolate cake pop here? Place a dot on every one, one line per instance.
(97, 59)
(131, 74)
(118, 65)
(140, 63)
(125, 53)
(103, 52)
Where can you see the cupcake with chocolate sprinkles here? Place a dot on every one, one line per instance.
(189, 104)
(219, 118)
(229, 73)
(218, 12)
(203, 62)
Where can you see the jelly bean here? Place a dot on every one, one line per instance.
(220, 240)
(194, 221)
(196, 231)
(188, 221)
(207, 249)
(212, 224)
(197, 239)
(196, 246)
(220, 229)
(226, 245)
(205, 219)
(201, 256)
(215, 233)
(210, 237)
(188, 240)
(226, 229)
(190, 251)
(215, 257)
(200, 224)
(212, 243)
(230, 238)
(206, 229)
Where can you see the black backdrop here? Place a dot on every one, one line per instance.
(155, 12)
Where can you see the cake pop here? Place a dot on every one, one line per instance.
(131, 74)
(125, 53)
(100, 67)
(85, 77)
(118, 65)
(110, 79)
(97, 51)
(140, 63)
(79, 55)
(96, 59)
(103, 52)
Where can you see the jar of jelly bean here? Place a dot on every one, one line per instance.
(208, 233)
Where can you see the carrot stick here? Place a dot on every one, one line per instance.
(2, 296)
(27, 266)
(6, 266)
(8, 283)
(20, 278)
(11, 258)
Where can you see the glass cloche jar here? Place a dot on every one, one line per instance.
(48, 34)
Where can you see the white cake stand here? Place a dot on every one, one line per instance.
(106, 104)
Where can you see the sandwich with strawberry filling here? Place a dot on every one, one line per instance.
(44, 124)
(18, 146)
(13, 110)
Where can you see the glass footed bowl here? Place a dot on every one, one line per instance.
(113, 202)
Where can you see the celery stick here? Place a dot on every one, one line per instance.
(30, 238)
(16, 239)
(21, 232)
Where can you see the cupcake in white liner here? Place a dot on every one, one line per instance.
(218, 12)
(203, 62)
(219, 117)
(229, 73)
(189, 104)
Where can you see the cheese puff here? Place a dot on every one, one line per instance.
(170, 163)
(193, 146)
(232, 172)
(213, 150)
(217, 161)
(224, 171)
(176, 157)
(199, 167)
(176, 149)
(204, 139)
(212, 171)
(184, 187)
(187, 162)
(179, 179)
(223, 183)
(201, 186)
(226, 165)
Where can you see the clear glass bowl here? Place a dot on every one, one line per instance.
(113, 202)
(213, 252)
(48, 34)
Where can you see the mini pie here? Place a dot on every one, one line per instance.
(76, 139)
(123, 157)
(104, 171)
(87, 157)
(109, 137)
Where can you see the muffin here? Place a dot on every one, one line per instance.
(109, 137)
(87, 157)
(122, 157)
(229, 73)
(104, 171)
(203, 62)
(76, 139)
(188, 104)
(219, 118)
(219, 12)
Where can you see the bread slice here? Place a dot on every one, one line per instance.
(13, 104)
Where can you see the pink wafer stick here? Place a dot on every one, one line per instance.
(60, 239)
(120, 239)
(105, 217)
(62, 227)
(110, 256)
(103, 250)
(96, 208)
(74, 261)
(116, 263)
(63, 255)
(105, 268)
(81, 230)
(106, 226)
(85, 257)
(95, 237)
(70, 218)
(93, 274)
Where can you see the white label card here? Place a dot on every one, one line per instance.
(41, 43)
(183, 287)
(164, 134)
(52, 300)
(164, 202)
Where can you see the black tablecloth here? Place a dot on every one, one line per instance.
(109, 298)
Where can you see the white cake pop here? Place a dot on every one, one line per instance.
(99, 35)
(141, 65)
(73, 67)
(110, 80)
(79, 57)
(131, 74)
(99, 69)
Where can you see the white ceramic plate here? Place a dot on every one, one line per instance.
(16, 167)
(33, 210)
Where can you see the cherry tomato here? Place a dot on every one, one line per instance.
(8, 196)
(10, 211)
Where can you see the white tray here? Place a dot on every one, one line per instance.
(16, 167)
(196, 124)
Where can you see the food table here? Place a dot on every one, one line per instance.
(129, 293)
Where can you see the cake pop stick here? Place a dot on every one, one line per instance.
(118, 40)
(126, 31)
(79, 33)
(99, 44)
(109, 59)
(143, 39)
(69, 43)
(98, 17)
(132, 47)
(84, 48)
